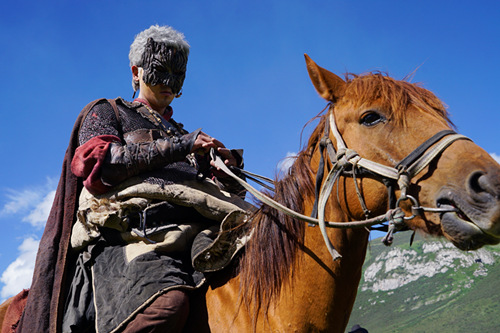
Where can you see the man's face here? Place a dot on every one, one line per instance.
(159, 96)
(165, 65)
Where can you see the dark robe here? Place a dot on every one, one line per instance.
(46, 298)
(44, 307)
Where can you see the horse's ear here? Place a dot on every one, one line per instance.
(328, 85)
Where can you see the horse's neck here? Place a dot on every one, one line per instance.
(319, 297)
(322, 291)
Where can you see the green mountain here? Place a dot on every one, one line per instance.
(428, 287)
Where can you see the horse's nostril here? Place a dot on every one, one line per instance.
(486, 183)
(475, 182)
(480, 183)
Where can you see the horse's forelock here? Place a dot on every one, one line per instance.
(393, 95)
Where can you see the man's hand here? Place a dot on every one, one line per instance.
(204, 143)
(226, 156)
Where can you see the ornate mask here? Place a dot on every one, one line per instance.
(164, 64)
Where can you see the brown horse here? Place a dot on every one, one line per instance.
(286, 279)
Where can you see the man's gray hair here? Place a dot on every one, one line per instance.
(160, 34)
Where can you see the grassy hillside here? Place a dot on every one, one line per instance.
(452, 291)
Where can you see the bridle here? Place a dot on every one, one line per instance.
(344, 158)
(346, 162)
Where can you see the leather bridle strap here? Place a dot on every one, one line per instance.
(420, 150)
(413, 164)
(324, 143)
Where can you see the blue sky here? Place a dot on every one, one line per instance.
(246, 83)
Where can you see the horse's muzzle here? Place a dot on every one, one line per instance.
(476, 221)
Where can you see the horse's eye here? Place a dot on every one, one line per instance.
(371, 118)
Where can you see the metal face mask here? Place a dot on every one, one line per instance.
(163, 64)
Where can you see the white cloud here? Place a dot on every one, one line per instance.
(38, 216)
(33, 204)
(19, 201)
(496, 157)
(18, 274)
(287, 162)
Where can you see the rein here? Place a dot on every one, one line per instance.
(343, 158)
(276, 205)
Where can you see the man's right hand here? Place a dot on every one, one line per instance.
(204, 142)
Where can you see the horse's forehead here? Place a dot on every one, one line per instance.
(392, 97)
(363, 99)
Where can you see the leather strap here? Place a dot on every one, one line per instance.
(420, 150)
(91, 105)
(115, 108)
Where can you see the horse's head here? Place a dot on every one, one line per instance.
(384, 120)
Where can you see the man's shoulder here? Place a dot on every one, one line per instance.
(106, 105)
(131, 105)
(118, 101)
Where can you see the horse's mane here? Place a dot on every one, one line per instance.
(269, 258)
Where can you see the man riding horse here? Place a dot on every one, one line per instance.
(147, 203)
